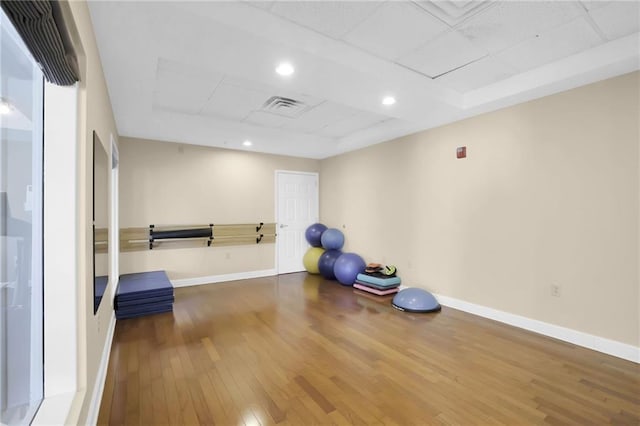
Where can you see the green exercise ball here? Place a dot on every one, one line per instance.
(310, 259)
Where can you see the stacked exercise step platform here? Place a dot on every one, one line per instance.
(378, 280)
(143, 293)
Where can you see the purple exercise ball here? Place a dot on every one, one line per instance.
(313, 234)
(347, 268)
(326, 263)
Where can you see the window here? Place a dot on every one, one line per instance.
(21, 229)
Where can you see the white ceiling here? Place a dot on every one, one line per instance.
(201, 72)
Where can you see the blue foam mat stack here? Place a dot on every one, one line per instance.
(378, 280)
(143, 293)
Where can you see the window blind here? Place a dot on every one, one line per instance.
(42, 28)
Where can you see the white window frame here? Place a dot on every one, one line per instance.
(61, 248)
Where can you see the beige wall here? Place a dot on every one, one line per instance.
(171, 184)
(548, 195)
(94, 113)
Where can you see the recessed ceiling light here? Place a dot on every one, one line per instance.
(247, 143)
(5, 107)
(388, 100)
(285, 69)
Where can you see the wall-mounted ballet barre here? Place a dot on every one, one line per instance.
(181, 234)
(178, 236)
(101, 240)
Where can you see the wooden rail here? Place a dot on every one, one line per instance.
(101, 241)
(137, 239)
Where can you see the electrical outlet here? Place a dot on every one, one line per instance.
(555, 290)
(227, 255)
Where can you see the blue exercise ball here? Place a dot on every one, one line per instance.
(326, 263)
(347, 268)
(314, 233)
(415, 300)
(332, 239)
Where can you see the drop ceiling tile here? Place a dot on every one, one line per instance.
(176, 73)
(253, 85)
(345, 127)
(454, 11)
(266, 119)
(560, 42)
(234, 102)
(179, 87)
(481, 73)
(331, 18)
(617, 19)
(595, 4)
(395, 28)
(177, 101)
(262, 4)
(508, 23)
(321, 116)
(445, 53)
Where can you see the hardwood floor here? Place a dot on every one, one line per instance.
(298, 350)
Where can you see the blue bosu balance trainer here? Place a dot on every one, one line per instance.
(415, 300)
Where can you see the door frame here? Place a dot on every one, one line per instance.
(279, 172)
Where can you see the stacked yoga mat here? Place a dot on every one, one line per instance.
(375, 281)
(143, 293)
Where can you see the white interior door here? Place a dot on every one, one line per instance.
(297, 208)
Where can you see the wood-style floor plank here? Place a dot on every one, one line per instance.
(298, 350)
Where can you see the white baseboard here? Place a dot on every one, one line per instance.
(597, 343)
(212, 279)
(101, 376)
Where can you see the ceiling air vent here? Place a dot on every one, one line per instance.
(286, 107)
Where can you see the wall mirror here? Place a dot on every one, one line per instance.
(100, 221)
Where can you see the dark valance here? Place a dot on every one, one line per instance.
(40, 24)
